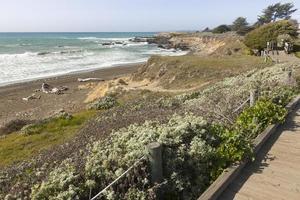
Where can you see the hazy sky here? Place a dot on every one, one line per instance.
(125, 15)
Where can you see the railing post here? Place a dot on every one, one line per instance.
(253, 96)
(155, 158)
(290, 78)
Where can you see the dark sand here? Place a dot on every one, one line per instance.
(13, 107)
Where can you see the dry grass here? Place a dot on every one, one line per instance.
(184, 72)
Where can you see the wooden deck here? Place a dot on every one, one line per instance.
(276, 172)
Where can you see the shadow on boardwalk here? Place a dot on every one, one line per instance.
(238, 190)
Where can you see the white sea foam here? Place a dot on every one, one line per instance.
(137, 44)
(66, 59)
(88, 38)
(104, 39)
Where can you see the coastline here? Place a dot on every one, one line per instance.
(82, 72)
(12, 106)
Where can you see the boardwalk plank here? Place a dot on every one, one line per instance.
(275, 174)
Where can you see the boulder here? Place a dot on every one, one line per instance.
(139, 39)
(107, 43)
(119, 42)
(182, 46)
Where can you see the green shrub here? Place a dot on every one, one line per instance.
(166, 102)
(248, 52)
(258, 38)
(221, 29)
(60, 184)
(255, 119)
(135, 194)
(187, 150)
(282, 96)
(283, 38)
(195, 153)
(104, 103)
(233, 147)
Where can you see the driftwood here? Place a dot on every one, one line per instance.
(31, 97)
(46, 88)
(89, 79)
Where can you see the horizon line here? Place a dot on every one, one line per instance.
(97, 31)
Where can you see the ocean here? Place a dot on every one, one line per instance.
(29, 56)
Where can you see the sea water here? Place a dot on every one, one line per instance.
(28, 56)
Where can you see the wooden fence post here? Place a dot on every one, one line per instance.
(253, 96)
(155, 158)
(290, 76)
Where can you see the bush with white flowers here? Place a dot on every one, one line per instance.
(61, 184)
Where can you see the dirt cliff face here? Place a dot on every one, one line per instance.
(202, 44)
(198, 45)
(182, 73)
(189, 71)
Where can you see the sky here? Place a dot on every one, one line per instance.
(126, 15)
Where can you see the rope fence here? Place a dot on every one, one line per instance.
(117, 179)
(242, 105)
(155, 155)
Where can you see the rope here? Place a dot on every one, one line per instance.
(130, 168)
(242, 105)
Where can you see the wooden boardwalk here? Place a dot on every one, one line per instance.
(276, 172)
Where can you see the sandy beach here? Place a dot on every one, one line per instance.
(12, 106)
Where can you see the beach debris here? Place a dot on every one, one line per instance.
(48, 89)
(31, 97)
(89, 79)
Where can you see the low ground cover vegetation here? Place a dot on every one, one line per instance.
(192, 148)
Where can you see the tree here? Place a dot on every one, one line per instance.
(268, 14)
(276, 11)
(258, 38)
(284, 11)
(240, 25)
(221, 29)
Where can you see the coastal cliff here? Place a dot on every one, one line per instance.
(201, 44)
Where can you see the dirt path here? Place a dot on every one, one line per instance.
(283, 57)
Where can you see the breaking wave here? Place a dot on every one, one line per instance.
(47, 57)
